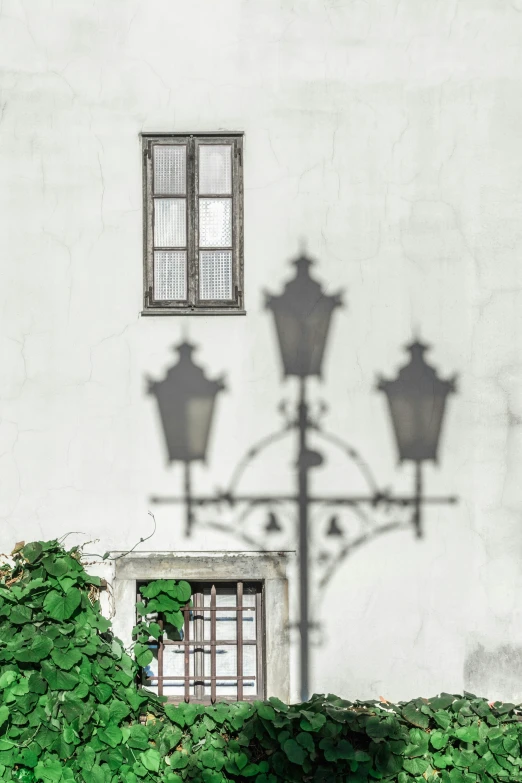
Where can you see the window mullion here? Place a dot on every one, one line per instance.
(191, 222)
(148, 249)
(237, 252)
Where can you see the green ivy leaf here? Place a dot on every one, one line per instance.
(438, 739)
(39, 649)
(57, 679)
(111, 735)
(49, 771)
(20, 614)
(183, 592)
(61, 607)
(467, 733)
(265, 711)
(294, 751)
(415, 716)
(442, 719)
(154, 630)
(175, 618)
(32, 551)
(143, 655)
(415, 766)
(7, 678)
(304, 739)
(312, 722)
(66, 659)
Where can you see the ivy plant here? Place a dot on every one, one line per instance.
(162, 596)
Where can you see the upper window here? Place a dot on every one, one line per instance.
(193, 217)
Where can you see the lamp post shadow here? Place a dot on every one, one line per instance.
(416, 402)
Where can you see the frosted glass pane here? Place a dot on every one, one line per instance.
(249, 668)
(170, 228)
(226, 622)
(170, 275)
(215, 274)
(249, 624)
(226, 665)
(174, 666)
(215, 169)
(170, 175)
(215, 222)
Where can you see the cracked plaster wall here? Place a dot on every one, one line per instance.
(385, 134)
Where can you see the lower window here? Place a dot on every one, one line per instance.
(219, 653)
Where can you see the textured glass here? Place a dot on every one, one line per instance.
(170, 225)
(249, 624)
(170, 274)
(226, 666)
(226, 623)
(249, 615)
(174, 666)
(215, 274)
(170, 170)
(249, 668)
(215, 169)
(215, 222)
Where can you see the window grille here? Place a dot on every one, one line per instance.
(219, 653)
(193, 219)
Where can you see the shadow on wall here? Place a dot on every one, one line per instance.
(495, 673)
(416, 399)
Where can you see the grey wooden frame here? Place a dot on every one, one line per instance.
(270, 568)
(193, 305)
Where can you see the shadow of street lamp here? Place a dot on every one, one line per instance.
(416, 398)
(186, 399)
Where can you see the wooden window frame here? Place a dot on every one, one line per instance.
(193, 305)
(197, 647)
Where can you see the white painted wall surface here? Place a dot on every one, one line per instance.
(387, 136)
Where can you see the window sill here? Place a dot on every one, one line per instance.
(210, 311)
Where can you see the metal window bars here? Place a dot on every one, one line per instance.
(219, 654)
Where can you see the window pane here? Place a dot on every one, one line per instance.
(215, 222)
(170, 274)
(249, 624)
(249, 668)
(215, 274)
(170, 174)
(174, 666)
(215, 169)
(226, 666)
(249, 617)
(170, 228)
(226, 622)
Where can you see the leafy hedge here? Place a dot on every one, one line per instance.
(71, 710)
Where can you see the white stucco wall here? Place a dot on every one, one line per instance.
(386, 135)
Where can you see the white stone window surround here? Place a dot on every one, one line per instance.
(268, 567)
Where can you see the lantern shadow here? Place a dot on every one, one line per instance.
(186, 400)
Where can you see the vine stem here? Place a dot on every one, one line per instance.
(105, 558)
